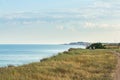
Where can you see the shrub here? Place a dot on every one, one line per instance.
(96, 46)
(10, 65)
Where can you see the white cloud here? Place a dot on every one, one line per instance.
(89, 25)
(101, 25)
(73, 29)
(102, 4)
(60, 27)
(100, 14)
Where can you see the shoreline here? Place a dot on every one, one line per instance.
(55, 54)
(74, 64)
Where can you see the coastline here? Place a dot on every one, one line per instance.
(18, 55)
(72, 64)
(41, 60)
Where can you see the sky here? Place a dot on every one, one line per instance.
(59, 21)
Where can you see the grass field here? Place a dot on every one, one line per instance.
(118, 50)
(75, 64)
(112, 46)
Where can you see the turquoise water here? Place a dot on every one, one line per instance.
(24, 54)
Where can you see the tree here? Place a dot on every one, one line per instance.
(96, 46)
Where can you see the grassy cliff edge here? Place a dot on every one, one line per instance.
(74, 64)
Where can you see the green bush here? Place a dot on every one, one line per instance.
(96, 46)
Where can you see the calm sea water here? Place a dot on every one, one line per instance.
(24, 54)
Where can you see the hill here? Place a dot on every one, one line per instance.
(79, 43)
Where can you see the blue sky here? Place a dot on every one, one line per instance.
(59, 21)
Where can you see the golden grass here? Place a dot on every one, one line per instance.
(112, 46)
(118, 50)
(76, 64)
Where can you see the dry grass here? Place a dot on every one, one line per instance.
(76, 64)
(118, 50)
(112, 46)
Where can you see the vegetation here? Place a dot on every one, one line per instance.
(112, 46)
(118, 45)
(96, 46)
(118, 50)
(75, 64)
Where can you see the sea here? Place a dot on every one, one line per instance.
(19, 54)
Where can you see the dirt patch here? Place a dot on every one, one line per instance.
(117, 71)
